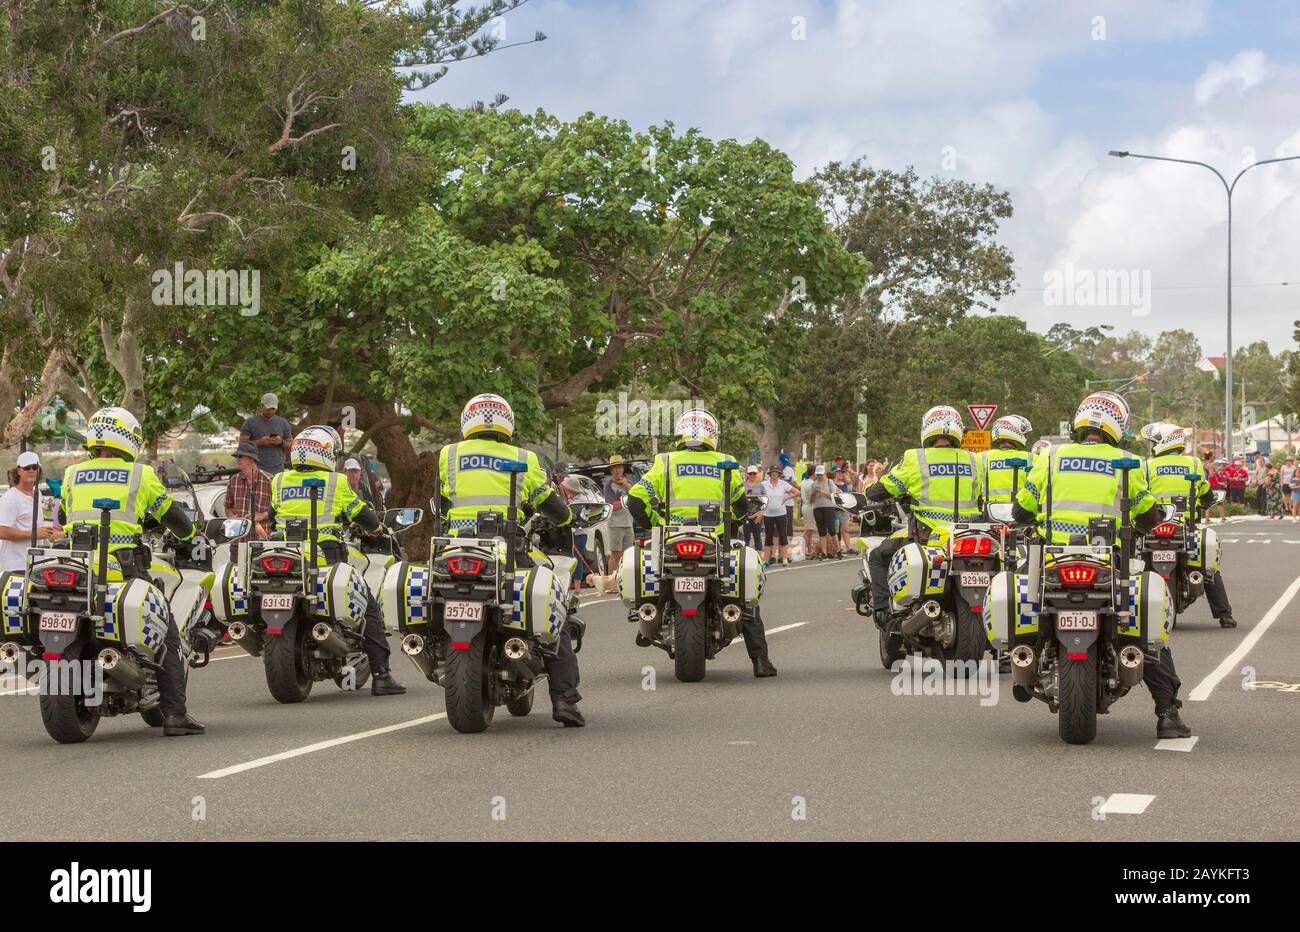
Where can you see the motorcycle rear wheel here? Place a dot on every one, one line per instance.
(972, 639)
(470, 697)
(892, 650)
(283, 658)
(690, 641)
(1077, 713)
(66, 718)
(523, 705)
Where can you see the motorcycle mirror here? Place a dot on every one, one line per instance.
(1002, 512)
(395, 518)
(231, 528)
(1220, 496)
(590, 514)
(846, 500)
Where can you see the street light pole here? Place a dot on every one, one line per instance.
(1229, 188)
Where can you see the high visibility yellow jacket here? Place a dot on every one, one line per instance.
(134, 486)
(997, 478)
(1084, 484)
(1170, 475)
(685, 480)
(941, 481)
(471, 480)
(336, 503)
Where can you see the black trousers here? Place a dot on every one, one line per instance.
(1217, 595)
(751, 629)
(562, 671)
(375, 640)
(171, 681)
(1161, 678)
(878, 569)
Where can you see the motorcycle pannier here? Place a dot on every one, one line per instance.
(229, 598)
(638, 576)
(1203, 551)
(13, 589)
(1146, 599)
(743, 577)
(135, 614)
(1010, 615)
(340, 595)
(404, 595)
(916, 572)
(540, 607)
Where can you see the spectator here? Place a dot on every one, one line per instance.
(270, 433)
(1260, 477)
(620, 520)
(1237, 477)
(787, 473)
(842, 516)
(1271, 489)
(753, 531)
(353, 470)
(16, 513)
(248, 493)
(779, 495)
(1216, 473)
(1285, 475)
(823, 505)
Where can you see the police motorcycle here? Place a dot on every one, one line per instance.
(483, 616)
(688, 590)
(1181, 551)
(1077, 620)
(937, 587)
(100, 640)
(304, 620)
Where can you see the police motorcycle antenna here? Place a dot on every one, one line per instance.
(106, 508)
(514, 468)
(727, 466)
(313, 486)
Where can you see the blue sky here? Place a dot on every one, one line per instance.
(1027, 95)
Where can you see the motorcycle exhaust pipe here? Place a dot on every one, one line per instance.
(413, 646)
(10, 653)
(731, 614)
(120, 668)
(1022, 665)
(247, 638)
(522, 660)
(648, 620)
(1131, 663)
(326, 639)
(929, 612)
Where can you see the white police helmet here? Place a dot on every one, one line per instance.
(114, 429)
(697, 429)
(1012, 427)
(487, 413)
(1103, 411)
(313, 449)
(942, 421)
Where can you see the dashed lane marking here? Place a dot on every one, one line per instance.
(1126, 803)
(1176, 744)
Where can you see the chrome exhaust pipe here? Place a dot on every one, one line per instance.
(521, 659)
(1131, 664)
(413, 646)
(326, 639)
(120, 668)
(248, 638)
(648, 620)
(921, 618)
(10, 653)
(731, 613)
(1022, 665)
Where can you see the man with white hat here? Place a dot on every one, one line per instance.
(16, 507)
(270, 433)
(354, 471)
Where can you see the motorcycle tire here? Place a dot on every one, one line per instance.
(892, 649)
(360, 664)
(66, 718)
(523, 705)
(470, 697)
(972, 640)
(690, 643)
(282, 654)
(1077, 712)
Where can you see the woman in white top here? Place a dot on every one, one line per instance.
(779, 493)
(16, 513)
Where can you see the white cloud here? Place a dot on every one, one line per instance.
(1245, 71)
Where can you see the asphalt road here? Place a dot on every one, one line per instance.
(824, 751)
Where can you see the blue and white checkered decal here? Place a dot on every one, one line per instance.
(649, 580)
(15, 603)
(417, 590)
(938, 571)
(1127, 596)
(153, 626)
(109, 627)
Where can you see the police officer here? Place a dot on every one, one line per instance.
(1010, 437)
(695, 479)
(113, 439)
(1084, 486)
(313, 456)
(943, 482)
(469, 484)
(1169, 473)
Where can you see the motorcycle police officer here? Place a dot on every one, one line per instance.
(941, 479)
(312, 456)
(1078, 494)
(692, 470)
(1168, 473)
(468, 484)
(114, 439)
(1010, 438)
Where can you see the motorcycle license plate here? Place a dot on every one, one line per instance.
(462, 611)
(1076, 621)
(975, 580)
(277, 602)
(1164, 556)
(689, 584)
(58, 621)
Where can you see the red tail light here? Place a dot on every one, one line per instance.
(690, 549)
(465, 566)
(1077, 574)
(972, 546)
(60, 578)
(1168, 529)
(277, 564)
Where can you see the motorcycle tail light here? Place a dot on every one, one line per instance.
(1168, 529)
(465, 566)
(277, 565)
(972, 546)
(1077, 574)
(690, 549)
(60, 578)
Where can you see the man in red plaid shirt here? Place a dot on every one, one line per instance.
(248, 494)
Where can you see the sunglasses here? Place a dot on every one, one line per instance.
(24, 468)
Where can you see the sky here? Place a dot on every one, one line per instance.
(1026, 95)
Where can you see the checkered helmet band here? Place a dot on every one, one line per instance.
(487, 413)
(114, 429)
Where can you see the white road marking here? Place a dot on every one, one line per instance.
(1176, 744)
(318, 746)
(797, 624)
(1126, 803)
(1206, 686)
